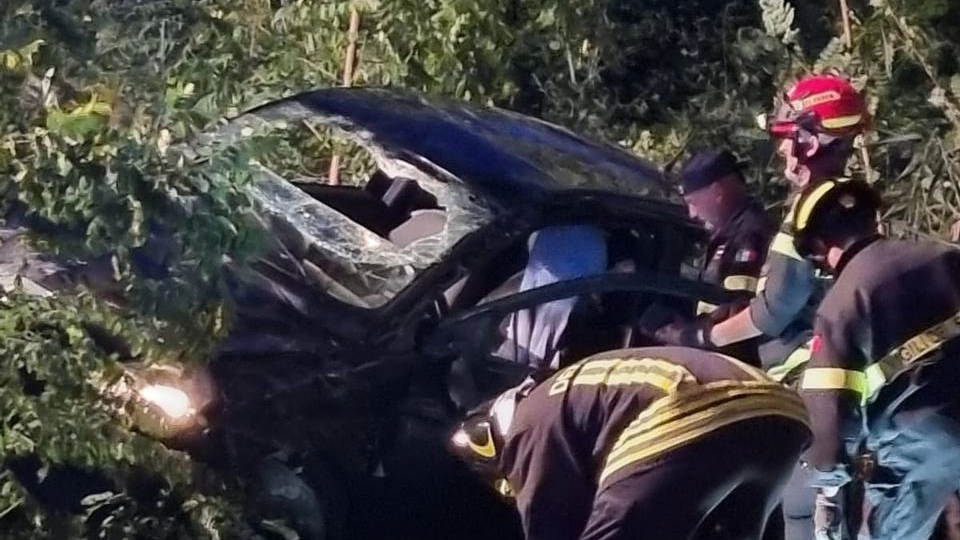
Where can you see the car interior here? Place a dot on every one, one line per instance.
(598, 322)
(396, 209)
(401, 211)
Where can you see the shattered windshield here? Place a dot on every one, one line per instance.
(471, 160)
(345, 257)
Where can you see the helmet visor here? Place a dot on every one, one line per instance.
(787, 119)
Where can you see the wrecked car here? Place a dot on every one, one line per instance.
(375, 316)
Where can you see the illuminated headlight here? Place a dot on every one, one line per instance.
(175, 403)
(460, 439)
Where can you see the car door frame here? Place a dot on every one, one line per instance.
(575, 206)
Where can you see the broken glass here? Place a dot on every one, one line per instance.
(348, 260)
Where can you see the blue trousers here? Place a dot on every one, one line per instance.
(798, 504)
(918, 458)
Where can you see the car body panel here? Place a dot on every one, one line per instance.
(504, 155)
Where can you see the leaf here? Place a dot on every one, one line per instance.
(227, 225)
(74, 126)
(778, 16)
(10, 60)
(96, 499)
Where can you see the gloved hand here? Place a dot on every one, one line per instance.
(694, 334)
(828, 520)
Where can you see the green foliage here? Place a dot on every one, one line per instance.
(94, 93)
(53, 409)
(778, 18)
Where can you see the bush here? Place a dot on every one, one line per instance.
(93, 93)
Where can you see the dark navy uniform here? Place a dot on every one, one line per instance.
(883, 380)
(654, 443)
(735, 257)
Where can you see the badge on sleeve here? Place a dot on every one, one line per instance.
(816, 344)
(746, 255)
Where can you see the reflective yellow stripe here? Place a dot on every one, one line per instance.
(625, 379)
(657, 439)
(661, 374)
(761, 284)
(676, 433)
(841, 122)
(636, 435)
(503, 488)
(704, 308)
(834, 379)
(919, 346)
(875, 378)
(674, 406)
(740, 283)
(810, 202)
(783, 244)
(614, 366)
(487, 449)
(797, 358)
(683, 406)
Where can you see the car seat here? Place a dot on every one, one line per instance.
(422, 223)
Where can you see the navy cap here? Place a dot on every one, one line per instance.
(705, 168)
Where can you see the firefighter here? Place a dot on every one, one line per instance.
(814, 128)
(652, 443)
(715, 192)
(881, 383)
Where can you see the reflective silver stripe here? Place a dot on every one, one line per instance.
(799, 357)
(740, 283)
(919, 346)
(704, 308)
(783, 244)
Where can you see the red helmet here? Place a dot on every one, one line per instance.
(820, 105)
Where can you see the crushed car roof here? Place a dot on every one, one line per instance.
(477, 161)
(501, 153)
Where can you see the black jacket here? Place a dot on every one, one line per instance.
(735, 256)
(894, 303)
(617, 413)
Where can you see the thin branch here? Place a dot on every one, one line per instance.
(845, 16)
(348, 68)
(909, 34)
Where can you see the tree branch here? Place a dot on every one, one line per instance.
(348, 66)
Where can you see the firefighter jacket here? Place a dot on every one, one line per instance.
(895, 305)
(734, 258)
(617, 413)
(788, 292)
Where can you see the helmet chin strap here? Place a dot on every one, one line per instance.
(800, 146)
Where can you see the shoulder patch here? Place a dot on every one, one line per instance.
(746, 255)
